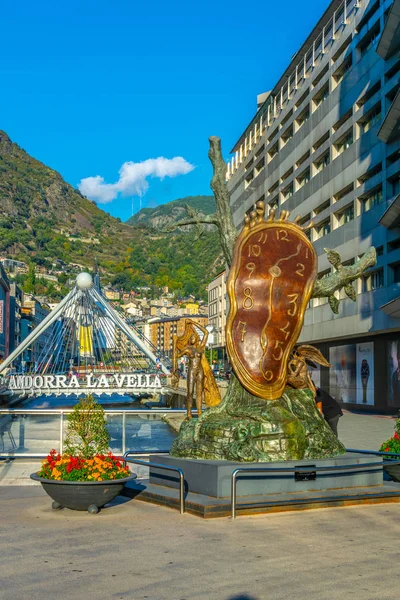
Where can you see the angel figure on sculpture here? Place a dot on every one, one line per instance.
(298, 374)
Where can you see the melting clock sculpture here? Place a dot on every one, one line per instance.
(269, 286)
(268, 412)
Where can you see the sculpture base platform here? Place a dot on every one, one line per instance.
(213, 477)
(207, 486)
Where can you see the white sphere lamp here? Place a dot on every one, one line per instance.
(84, 281)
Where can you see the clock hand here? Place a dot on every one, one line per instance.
(275, 271)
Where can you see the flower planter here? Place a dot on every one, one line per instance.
(392, 470)
(82, 495)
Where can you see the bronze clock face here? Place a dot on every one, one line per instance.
(269, 286)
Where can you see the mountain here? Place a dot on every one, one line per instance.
(166, 214)
(180, 259)
(43, 217)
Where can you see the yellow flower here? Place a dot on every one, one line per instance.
(56, 473)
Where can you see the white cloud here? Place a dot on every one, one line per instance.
(133, 178)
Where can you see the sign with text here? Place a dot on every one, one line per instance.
(91, 381)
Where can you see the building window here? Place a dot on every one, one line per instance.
(274, 203)
(287, 174)
(371, 118)
(322, 162)
(303, 178)
(259, 167)
(303, 117)
(345, 216)
(302, 98)
(319, 209)
(373, 281)
(371, 92)
(321, 141)
(343, 192)
(321, 96)
(369, 40)
(320, 76)
(396, 272)
(322, 229)
(248, 179)
(373, 199)
(395, 183)
(287, 192)
(260, 151)
(342, 120)
(303, 158)
(273, 187)
(287, 135)
(342, 71)
(273, 151)
(344, 142)
(273, 134)
(370, 173)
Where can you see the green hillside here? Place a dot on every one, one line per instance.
(43, 218)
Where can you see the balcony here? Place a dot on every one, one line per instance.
(390, 40)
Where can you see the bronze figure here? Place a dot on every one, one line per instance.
(298, 374)
(199, 374)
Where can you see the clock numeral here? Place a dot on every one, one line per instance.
(254, 250)
(268, 375)
(263, 237)
(306, 252)
(285, 330)
(251, 267)
(248, 300)
(282, 235)
(293, 309)
(278, 349)
(300, 270)
(242, 330)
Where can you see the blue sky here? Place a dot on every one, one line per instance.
(90, 85)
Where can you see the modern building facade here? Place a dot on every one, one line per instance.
(4, 314)
(217, 312)
(16, 300)
(325, 145)
(162, 330)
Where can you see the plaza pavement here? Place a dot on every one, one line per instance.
(133, 550)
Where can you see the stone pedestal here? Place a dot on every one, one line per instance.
(213, 477)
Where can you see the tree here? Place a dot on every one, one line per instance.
(30, 282)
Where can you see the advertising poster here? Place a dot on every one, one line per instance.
(342, 374)
(365, 373)
(394, 373)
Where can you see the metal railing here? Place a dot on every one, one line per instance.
(305, 469)
(146, 463)
(14, 424)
